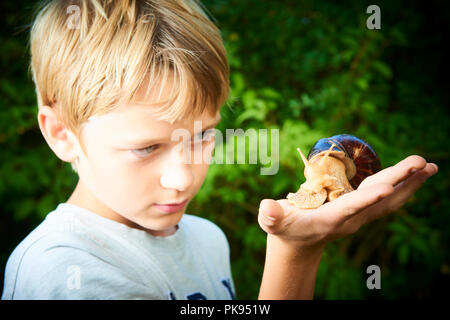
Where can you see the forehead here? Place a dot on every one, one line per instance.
(137, 126)
(140, 119)
(138, 116)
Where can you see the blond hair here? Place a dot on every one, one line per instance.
(89, 57)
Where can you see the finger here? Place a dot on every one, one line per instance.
(402, 193)
(270, 214)
(395, 174)
(349, 204)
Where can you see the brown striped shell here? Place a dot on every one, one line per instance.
(360, 159)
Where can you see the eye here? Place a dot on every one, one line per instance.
(144, 151)
(202, 137)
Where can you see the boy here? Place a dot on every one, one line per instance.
(114, 80)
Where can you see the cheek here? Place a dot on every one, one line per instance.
(111, 180)
(200, 171)
(128, 187)
(208, 151)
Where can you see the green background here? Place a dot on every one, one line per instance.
(310, 69)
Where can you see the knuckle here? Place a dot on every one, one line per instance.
(351, 227)
(322, 237)
(364, 220)
(366, 181)
(261, 222)
(328, 228)
(416, 160)
(268, 228)
(356, 225)
(328, 225)
(348, 211)
(393, 206)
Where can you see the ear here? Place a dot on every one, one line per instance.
(58, 137)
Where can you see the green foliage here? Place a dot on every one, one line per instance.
(310, 69)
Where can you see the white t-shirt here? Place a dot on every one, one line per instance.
(77, 254)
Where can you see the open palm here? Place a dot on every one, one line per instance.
(377, 196)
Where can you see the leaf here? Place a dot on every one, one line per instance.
(382, 68)
(248, 99)
(398, 227)
(270, 93)
(403, 254)
(362, 83)
(238, 83)
(249, 114)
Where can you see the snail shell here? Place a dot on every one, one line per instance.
(335, 166)
(358, 156)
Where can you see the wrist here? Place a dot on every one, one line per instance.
(293, 248)
(290, 269)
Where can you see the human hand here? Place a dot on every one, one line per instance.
(377, 196)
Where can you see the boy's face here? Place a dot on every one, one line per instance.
(133, 165)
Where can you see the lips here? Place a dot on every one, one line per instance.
(171, 204)
(170, 207)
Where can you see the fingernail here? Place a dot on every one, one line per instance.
(413, 170)
(435, 166)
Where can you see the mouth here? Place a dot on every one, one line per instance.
(171, 207)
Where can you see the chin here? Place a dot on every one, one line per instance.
(162, 224)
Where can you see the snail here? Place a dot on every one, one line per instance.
(335, 166)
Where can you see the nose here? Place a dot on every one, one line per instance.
(177, 174)
(177, 177)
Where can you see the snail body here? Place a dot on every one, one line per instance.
(335, 166)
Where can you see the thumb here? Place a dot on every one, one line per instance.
(270, 214)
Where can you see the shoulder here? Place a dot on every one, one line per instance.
(58, 260)
(209, 244)
(200, 223)
(203, 226)
(53, 237)
(206, 232)
(60, 266)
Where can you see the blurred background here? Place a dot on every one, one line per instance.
(311, 69)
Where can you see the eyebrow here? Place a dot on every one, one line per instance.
(148, 142)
